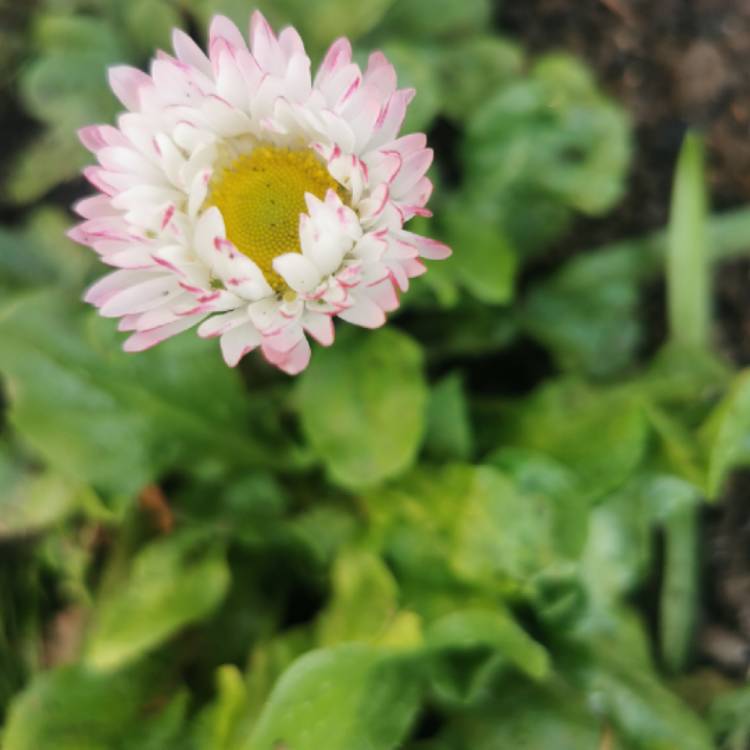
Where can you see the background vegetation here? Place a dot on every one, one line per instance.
(478, 528)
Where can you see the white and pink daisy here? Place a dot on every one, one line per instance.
(240, 195)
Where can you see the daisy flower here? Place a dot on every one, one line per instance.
(243, 196)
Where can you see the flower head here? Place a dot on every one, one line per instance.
(240, 195)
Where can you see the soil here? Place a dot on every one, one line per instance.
(675, 64)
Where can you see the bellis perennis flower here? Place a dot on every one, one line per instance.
(242, 196)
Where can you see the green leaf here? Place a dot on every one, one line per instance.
(74, 709)
(485, 260)
(52, 158)
(35, 503)
(113, 420)
(39, 254)
(685, 377)
(587, 314)
(645, 711)
(362, 404)
(448, 434)
(437, 18)
(561, 420)
(726, 434)
(538, 475)
(543, 147)
(64, 86)
(474, 69)
(495, 629)
(618, 550)
(364, 600)
(149, 24)
(687, 257)
(68, 81)
(461, 523)
(216, 728)
(345, 698)
(503, 532)
(173, 583)
(527, 717)
(729, 718)
(679, 596)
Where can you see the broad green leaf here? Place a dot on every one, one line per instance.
(362, 404)
(587, 314)
(74, 709)
(526, 717)
(484, 258)
(325, 530)
(599, 434)
(437, 18)
(35, 503)
(149, 24)
(350, 697)
(463, 523)
(52, 158)
(115, 420)
(39, 254)
(473, 69)
(644, 711)
(543, 147)
(68, 81)
(618, 549)
(503, 531)
(535, 474)
(65, 86)
(173, 583)
(489, 628)
(364, 601)
(268, 662)
(619, 554)
(449, 433)
(685, 377)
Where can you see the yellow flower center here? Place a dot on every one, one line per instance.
(261, 196)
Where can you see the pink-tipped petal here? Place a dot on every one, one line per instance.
(143, 340)
(223, 28)
(320, 327)
(189, 53)
(292, 362)
(365, 313)
(239, 341)
(127, 82)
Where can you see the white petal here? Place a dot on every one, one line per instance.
(236, 343)
(299, 272)
(210, 226)
(217, 325)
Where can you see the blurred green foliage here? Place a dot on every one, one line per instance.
(394, 551)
